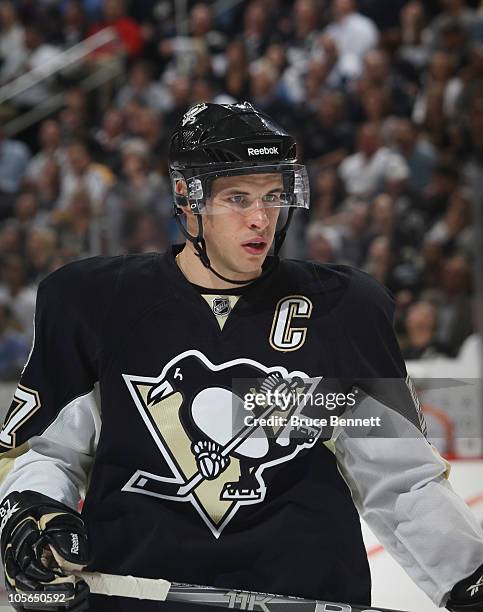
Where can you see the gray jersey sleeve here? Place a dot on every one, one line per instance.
(399, 486)
(56, 462)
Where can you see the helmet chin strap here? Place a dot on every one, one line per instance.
(199, 245)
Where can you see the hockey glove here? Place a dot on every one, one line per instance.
(467, 595)
(41, 542)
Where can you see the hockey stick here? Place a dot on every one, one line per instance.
(235, 599)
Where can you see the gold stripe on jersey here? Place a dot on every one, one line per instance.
(7, 460)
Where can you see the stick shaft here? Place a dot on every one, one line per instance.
(235, 599)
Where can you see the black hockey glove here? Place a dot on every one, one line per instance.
(41, 542)
(467, 595)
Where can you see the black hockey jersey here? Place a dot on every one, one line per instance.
(128, 388)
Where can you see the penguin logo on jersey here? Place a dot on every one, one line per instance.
(196, 415)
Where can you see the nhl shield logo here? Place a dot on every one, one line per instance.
(221, 307)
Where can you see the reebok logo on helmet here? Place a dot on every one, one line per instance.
(262, 151)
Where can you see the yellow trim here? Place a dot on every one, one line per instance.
(8, 459)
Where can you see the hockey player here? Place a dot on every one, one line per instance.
(132, 395)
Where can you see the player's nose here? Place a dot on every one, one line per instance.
(258, 217)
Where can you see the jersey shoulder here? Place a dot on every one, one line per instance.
(90, 287)
(87, 277)
(83, 274)
(344, 285)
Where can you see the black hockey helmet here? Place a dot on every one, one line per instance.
(215, 140)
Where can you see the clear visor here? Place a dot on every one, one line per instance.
(249, 189)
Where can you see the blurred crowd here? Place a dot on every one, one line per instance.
(385, 100)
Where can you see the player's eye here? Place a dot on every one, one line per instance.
(239, 201)
(271, 198)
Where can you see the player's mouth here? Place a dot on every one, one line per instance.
(256, 246)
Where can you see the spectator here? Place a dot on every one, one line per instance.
(420, 155)
(148, 126)
(14, 159)
(413, 49)
(306, 19)
(43, 58)
(453, 231)
(26, 210)
(180, 94)
(444, 180)
(11, 238)
(40, 246)
(376, 105)
(128, 31)
(380, 259)
(431, 264)
(14, 348)
(323, 243)
(204, 45)
(77, 225)
(51, 149)
(472, 77)
(455, 41)
(455, 12)
(74, 23)
(472, 167)
(365, 172)
(204, 90)
(12, 41)
(455, 308)
(47, 187)
(73, 117)
(82, 174)
(382, 216)
(325, 53)
(263, 92)
(441, 75)
(315, 82)
(14, 292)
(420, 324)
(140, 190)
(110, 137)
(354, 35)
(353, 232)
(202, 29)
(255, 31)
(148, 234)
(236, 79)
(141, 86)
(328, 133)
(301, 43)
(327, 192)
(378, 74)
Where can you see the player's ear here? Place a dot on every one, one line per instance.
(180, 194)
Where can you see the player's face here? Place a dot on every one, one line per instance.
(240, 222)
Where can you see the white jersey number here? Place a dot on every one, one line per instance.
(28, 402)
